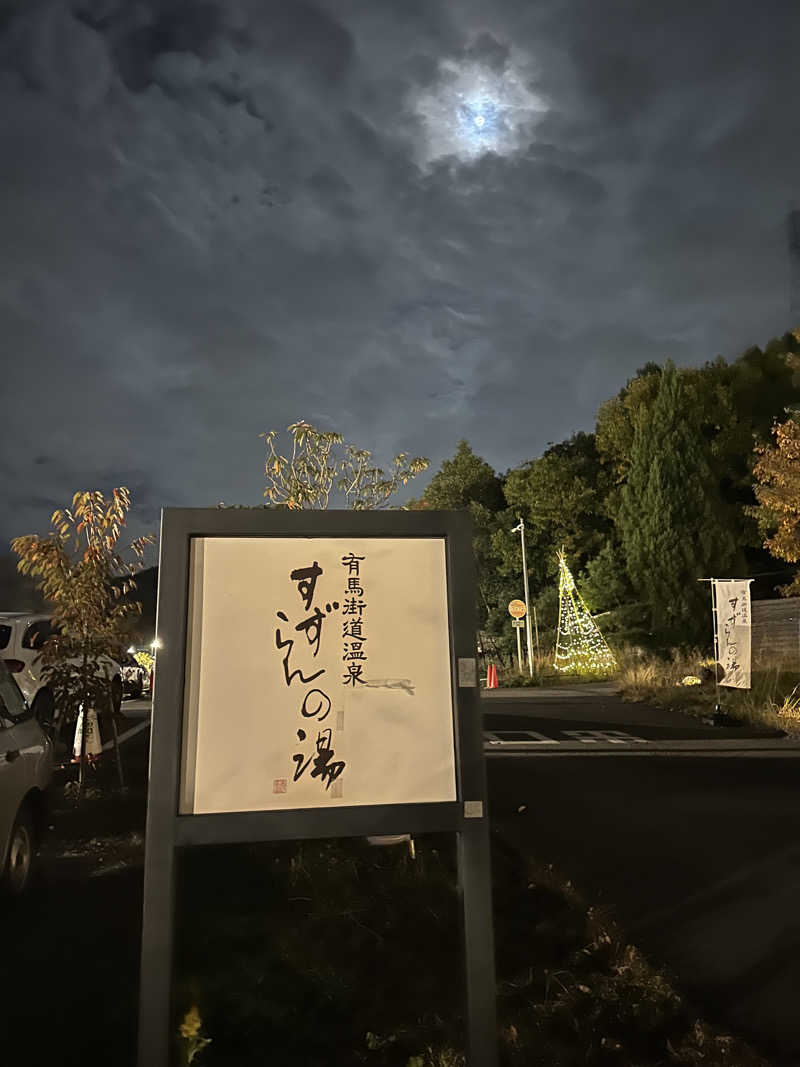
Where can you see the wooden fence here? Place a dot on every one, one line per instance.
(776, 633)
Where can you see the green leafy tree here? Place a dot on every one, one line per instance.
(560, 495)
(729, 403)
(608, 591)
(673, 523)
(616, 419)
(605, 581)
(468, 483)
(77, 568)
(733, 404)
(463, 480)
(762, 383)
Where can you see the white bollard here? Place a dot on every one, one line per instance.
(94, 744)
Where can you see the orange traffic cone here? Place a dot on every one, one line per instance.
(491, 677)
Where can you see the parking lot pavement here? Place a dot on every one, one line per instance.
(139, 708)
(697, 859)
(595, 720)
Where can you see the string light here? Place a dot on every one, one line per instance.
(580, 647)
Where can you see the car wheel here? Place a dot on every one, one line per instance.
(43, 709)
(21, 849)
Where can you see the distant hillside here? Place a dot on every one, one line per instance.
(145, 593)
(17, 592)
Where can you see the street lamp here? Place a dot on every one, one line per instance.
(521, 529)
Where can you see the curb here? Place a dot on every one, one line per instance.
(753, 747)
(535, 692)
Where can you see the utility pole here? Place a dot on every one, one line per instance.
(521, 530)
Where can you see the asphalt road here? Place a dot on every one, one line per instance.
(698, 859)
(594, 715)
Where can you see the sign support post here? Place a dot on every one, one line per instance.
(172, 825)
(521, 529)
(517, 609)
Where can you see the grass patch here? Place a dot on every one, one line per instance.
(515, 679)
(306, 949)
(544, 674)
(773, 701)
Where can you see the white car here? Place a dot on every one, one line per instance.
(134, 676)
(26, 765)
(21, 638)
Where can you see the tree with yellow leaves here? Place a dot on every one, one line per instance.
(307, 477)
(83, 577)
(193, 1040)
(777, 489)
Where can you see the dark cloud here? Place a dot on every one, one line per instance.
(221, 217)
(487, 49)
(422, 69)
(142, 34)
(309, 38)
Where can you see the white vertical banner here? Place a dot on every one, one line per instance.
(732, 599)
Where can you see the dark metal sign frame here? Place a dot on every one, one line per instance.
(167, 831)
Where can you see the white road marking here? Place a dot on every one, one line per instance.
(529, 743)
(127, 734)
(612, 737)
(586, 737)
(531, 738)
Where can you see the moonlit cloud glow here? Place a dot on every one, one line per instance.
(472, 110)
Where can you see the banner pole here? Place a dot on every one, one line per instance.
(715, 618)
(713, 583)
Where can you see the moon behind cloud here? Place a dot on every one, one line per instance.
(472, 110)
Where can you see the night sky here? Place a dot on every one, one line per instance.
(410, 221)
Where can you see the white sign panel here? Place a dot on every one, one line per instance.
(318, 673)
(733, 632)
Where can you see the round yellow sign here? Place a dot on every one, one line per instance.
(516, 609)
